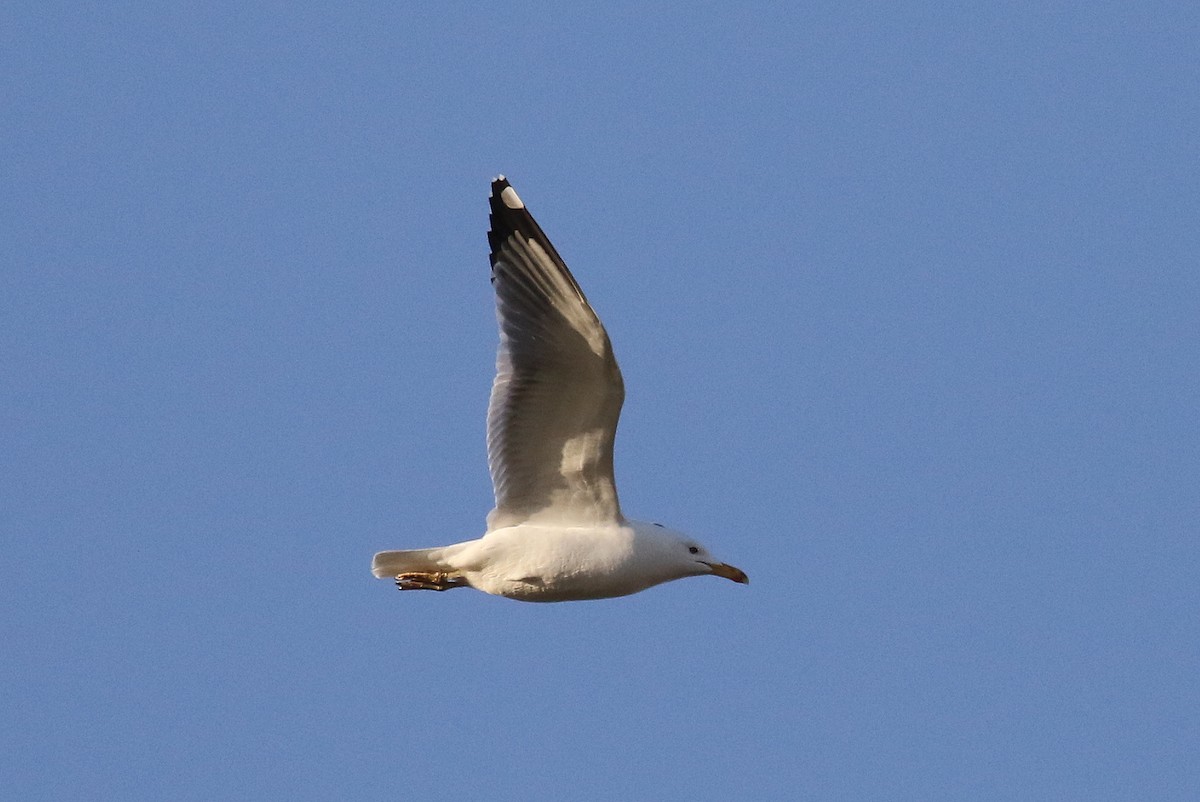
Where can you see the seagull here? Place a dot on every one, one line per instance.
(557, 532)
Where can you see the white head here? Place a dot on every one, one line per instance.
(679, 556)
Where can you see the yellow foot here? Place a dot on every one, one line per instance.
(429, 581)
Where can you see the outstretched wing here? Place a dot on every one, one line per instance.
(558, 391)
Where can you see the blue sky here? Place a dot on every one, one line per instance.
(905, 296)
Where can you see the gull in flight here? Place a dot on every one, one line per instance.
(557, 532)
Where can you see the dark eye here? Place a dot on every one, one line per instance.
(693, 550)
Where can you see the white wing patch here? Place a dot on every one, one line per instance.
(581, 453)
(511, 199)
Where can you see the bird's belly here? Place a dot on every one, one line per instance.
(534, 590)
(561, 583)
(551, 564)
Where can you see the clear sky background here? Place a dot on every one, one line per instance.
(907, 299)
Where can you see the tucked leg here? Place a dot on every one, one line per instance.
(438, 580)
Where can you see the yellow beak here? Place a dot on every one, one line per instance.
(729, 572)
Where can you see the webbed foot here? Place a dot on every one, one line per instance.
(438, 580)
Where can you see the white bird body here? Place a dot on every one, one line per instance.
(557, 532)
(550, 563)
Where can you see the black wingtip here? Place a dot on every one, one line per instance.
(499, 184)
(510, 218)
(504, 198)
(509, 215)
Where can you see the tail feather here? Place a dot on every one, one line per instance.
(389, 563)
